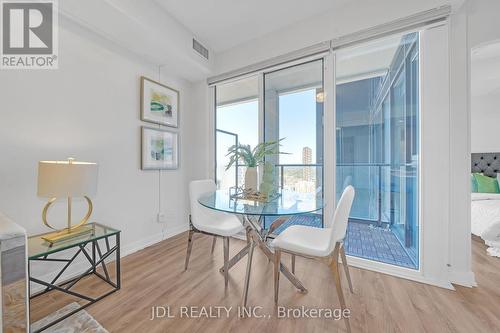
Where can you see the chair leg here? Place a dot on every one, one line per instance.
(346, 268)
(335, 269)
(277, 263)
(293, 263)
(213, 244)
(189, 247)
(226, 261)
(248, 271)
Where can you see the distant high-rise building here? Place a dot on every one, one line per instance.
(306, 159)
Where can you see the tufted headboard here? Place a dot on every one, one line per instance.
(486, 163)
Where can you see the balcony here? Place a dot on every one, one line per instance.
(382, 225)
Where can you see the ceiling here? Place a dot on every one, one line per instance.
(307, 75)
(368, 59)
(223, 24)
(239, 90)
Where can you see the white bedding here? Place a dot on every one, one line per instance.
(485, 218)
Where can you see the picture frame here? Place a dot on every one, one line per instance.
(159, 103)
(160, 149)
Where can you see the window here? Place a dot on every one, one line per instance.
(237, 122)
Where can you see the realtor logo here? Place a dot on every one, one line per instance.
(29, 34)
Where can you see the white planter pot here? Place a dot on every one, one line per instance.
(251, 179)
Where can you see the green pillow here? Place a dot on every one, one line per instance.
(473, 184)
(486, 184)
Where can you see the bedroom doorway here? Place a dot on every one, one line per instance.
(485, 167)
(377, 146)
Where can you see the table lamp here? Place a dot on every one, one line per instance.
(57, 179)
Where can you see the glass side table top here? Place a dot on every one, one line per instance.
(38, 247)
(288, 203)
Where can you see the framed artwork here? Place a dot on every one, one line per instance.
(159, 103)
(160, 149)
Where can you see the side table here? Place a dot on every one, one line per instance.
(86, 246)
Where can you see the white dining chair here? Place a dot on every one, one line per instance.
(323, 243)
(210, 222)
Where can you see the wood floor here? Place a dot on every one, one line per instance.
(155, 277)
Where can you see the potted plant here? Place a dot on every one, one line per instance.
(252, 158)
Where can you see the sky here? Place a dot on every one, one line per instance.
(297, 125)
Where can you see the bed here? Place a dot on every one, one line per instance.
(485, 207)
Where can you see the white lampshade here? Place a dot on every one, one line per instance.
(66, 178)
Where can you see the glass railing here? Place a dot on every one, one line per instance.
(306, 180)
(385, 193)
(301, 178)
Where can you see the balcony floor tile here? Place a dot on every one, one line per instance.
(362, 241)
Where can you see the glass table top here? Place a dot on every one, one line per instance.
(288, 203)
(38, 247)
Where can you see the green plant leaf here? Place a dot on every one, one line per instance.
(253, 157)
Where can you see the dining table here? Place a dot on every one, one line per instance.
(261, 219)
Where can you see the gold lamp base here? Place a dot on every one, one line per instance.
(71, 231)
(65, 234)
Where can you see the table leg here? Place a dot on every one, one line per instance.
(117, 266)
(292, 278)
(247, 274)
(65, 286)
(93, 255)
(257, 240)
(243, 252)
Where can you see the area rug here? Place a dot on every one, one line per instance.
(80, 322)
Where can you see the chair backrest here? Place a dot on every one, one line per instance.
(341, 216)
(197, 188)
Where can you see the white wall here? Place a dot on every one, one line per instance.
(89, 109)
(483, 22)
(199, 135)
(483, 29)
(484, 123)
(459, 235)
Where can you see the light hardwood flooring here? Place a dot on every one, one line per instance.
(155, 276)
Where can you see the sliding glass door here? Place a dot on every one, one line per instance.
(376, 131)
(377, 136)
(293, 112)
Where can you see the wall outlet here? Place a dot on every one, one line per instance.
(161, 218)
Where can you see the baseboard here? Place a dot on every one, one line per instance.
(399, 272)
(151, 240)
(465, 279)
(82, 265)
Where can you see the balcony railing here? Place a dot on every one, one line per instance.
(297, 177)
(305, 177)
(385, 193)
